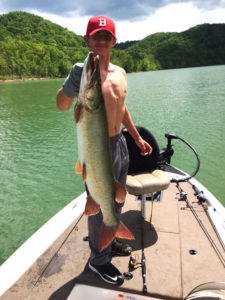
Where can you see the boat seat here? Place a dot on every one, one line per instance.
(147, 183)
(143, 176)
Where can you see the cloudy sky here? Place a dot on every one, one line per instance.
(135, 19)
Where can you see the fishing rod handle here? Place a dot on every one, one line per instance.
(144, 273)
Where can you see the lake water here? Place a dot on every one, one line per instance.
(38, 142)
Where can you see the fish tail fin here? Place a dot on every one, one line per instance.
(109, 233)
(107, 236)
(120, 193)
(123, 232)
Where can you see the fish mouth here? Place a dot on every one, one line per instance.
(92, 90)
(91, 69)
(91, 65)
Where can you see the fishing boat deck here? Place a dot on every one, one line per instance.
(171, 271)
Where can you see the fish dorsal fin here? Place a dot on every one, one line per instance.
(120, 193)
(107, 236)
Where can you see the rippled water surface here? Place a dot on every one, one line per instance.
(38, 142)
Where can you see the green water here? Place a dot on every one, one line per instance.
(38, 142)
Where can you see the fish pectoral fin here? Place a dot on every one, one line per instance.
(120, 193)
(91, 208)
(123, 232)
(84, 173)
(109, 233)
(77, 111)
(78, 167)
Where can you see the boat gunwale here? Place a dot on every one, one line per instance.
(23, 258)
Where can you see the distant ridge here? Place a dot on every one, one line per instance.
(202, 45)
(31, 46)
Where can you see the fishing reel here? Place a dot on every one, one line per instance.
(133, 261)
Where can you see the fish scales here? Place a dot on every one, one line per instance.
(94, 148)
(95, 162)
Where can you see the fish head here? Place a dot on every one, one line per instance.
(92, 92)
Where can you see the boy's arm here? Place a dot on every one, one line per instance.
(146, 149)
(70, 89)
(63, 101)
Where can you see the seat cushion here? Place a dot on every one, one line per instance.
(147, 183)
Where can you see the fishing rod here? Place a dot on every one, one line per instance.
(134, 257)
(143, 264)
(217, 251)
(183, 197)
(203, 201)
(133, 263)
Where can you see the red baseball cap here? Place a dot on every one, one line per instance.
(99, 23)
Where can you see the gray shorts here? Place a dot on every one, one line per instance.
(120, 159)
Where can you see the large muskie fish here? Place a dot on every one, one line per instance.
(95, 162)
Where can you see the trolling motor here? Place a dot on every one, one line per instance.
(167, 153)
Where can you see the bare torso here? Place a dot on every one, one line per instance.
(114, 89)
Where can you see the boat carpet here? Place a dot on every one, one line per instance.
(171, 271)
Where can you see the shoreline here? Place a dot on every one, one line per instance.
(28, 79)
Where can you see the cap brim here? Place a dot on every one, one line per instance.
(101, 29)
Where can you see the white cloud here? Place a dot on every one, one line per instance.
(171, 18)
(73, 23)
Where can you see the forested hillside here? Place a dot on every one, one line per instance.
(31, 46)
(202, 45)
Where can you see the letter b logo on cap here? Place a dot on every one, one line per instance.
(102, 22)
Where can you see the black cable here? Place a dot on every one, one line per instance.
(169, 147)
